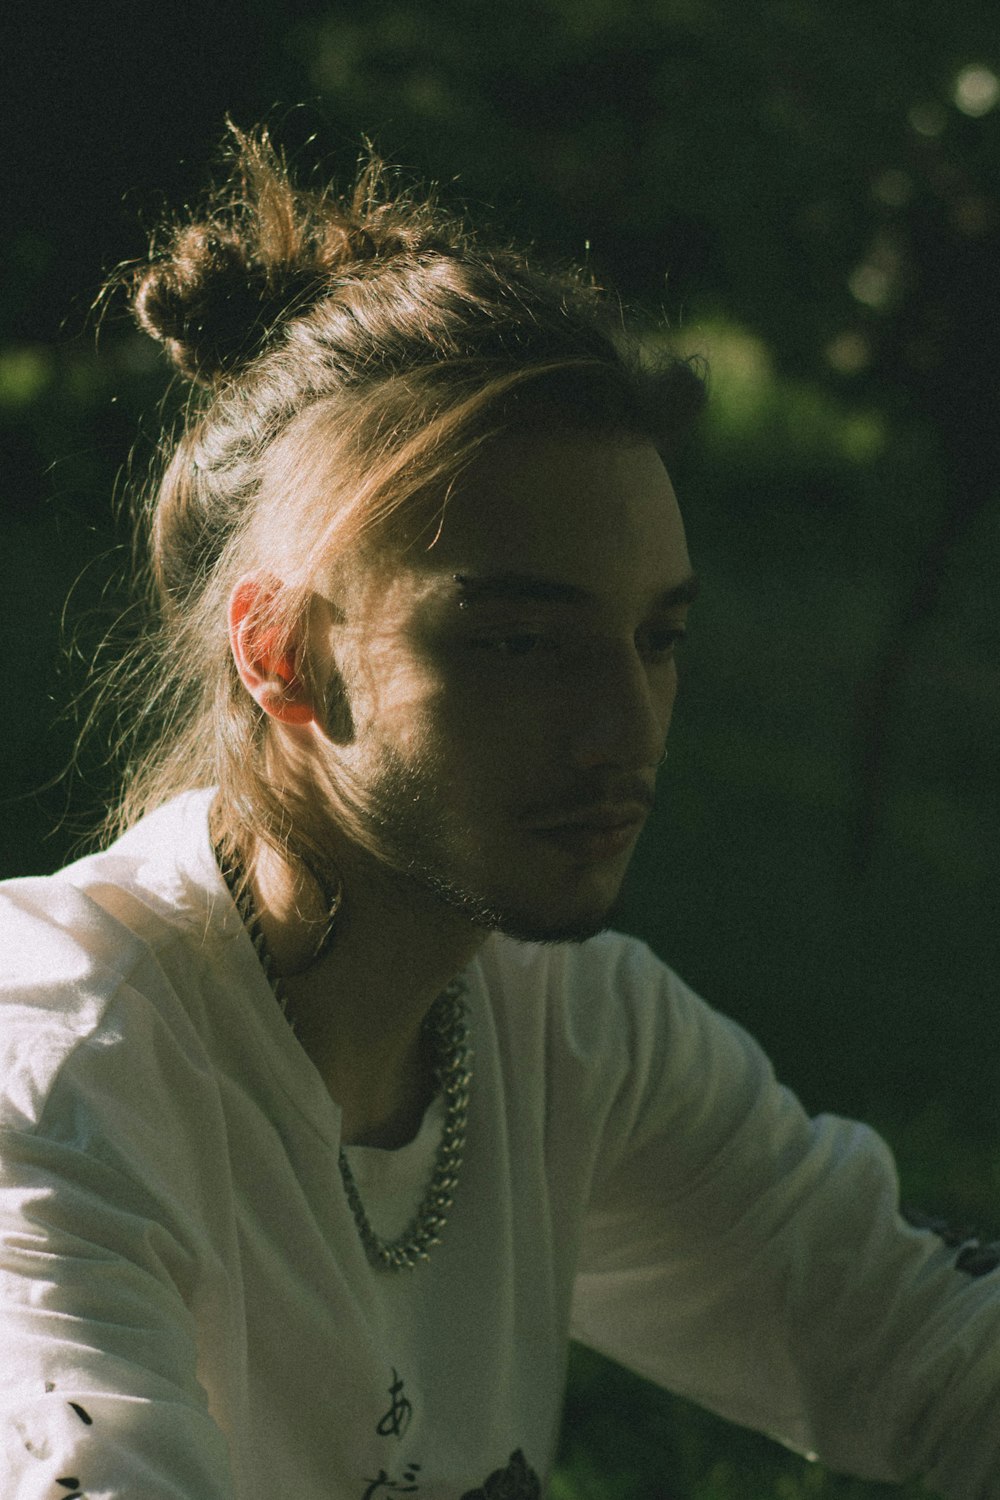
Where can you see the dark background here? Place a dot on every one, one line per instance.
(809, 194)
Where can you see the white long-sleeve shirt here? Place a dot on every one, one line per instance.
(187, 1312)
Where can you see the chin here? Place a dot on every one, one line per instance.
(572, 920)
(527, 923)
(528, 930)
(570, 916)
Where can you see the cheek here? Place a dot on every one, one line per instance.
(488, 704)
(392, 693)
(664, 690)
(474, 728)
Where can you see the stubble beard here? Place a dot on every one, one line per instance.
(405, 815)
(525, 926)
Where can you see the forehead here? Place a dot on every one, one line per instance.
(592, 512)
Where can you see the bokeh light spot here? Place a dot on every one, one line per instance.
(849, 352)
(976, 91)
(871, 285)
(24, 374)
(928, 118)
(893, 188)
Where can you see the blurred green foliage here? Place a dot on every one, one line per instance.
(805, 193)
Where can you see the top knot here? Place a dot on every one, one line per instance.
(223, 284)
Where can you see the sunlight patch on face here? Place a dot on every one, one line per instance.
(456, 746)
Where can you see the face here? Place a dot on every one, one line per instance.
(503, 696)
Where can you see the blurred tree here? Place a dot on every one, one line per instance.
(827, 174)
(825, 177)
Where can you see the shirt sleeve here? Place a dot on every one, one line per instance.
(106, 1285)
(754, 1259)
(99, 1392)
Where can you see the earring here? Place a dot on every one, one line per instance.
(662, 760)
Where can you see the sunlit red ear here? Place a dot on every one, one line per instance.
(265, 661)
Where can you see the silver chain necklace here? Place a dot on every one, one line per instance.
(446, 1026)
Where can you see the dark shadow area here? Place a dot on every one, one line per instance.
(809, 197)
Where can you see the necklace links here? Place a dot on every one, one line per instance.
(447, 1027)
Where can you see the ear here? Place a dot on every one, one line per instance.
(267, 663)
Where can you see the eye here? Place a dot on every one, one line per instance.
(516, 643)
(659, 642)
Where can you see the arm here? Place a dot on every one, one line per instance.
(112, 1288)
(754, 1260)
(99, 1383)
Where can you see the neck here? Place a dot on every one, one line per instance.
(358, 1009)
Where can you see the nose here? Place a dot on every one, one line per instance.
(624, 712)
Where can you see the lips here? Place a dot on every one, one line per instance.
(595, 833)
(598, 815)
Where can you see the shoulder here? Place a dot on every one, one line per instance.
(588, 989)
(598, 1012)
(604, 962)
(618, 1028)
(92, 955)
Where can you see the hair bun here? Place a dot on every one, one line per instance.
(263, 250)
(207, 303)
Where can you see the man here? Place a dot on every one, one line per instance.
(330, 1111)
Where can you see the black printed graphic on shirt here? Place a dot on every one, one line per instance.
(406, 1483)
(68, 1486)
(401, 1478)
(397, 1419)
(974, 1256)
(518, 1481)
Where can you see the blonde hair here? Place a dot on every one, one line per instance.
(349, 354)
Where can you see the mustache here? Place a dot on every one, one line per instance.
(606, 791)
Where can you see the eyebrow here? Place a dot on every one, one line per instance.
(486, 588)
